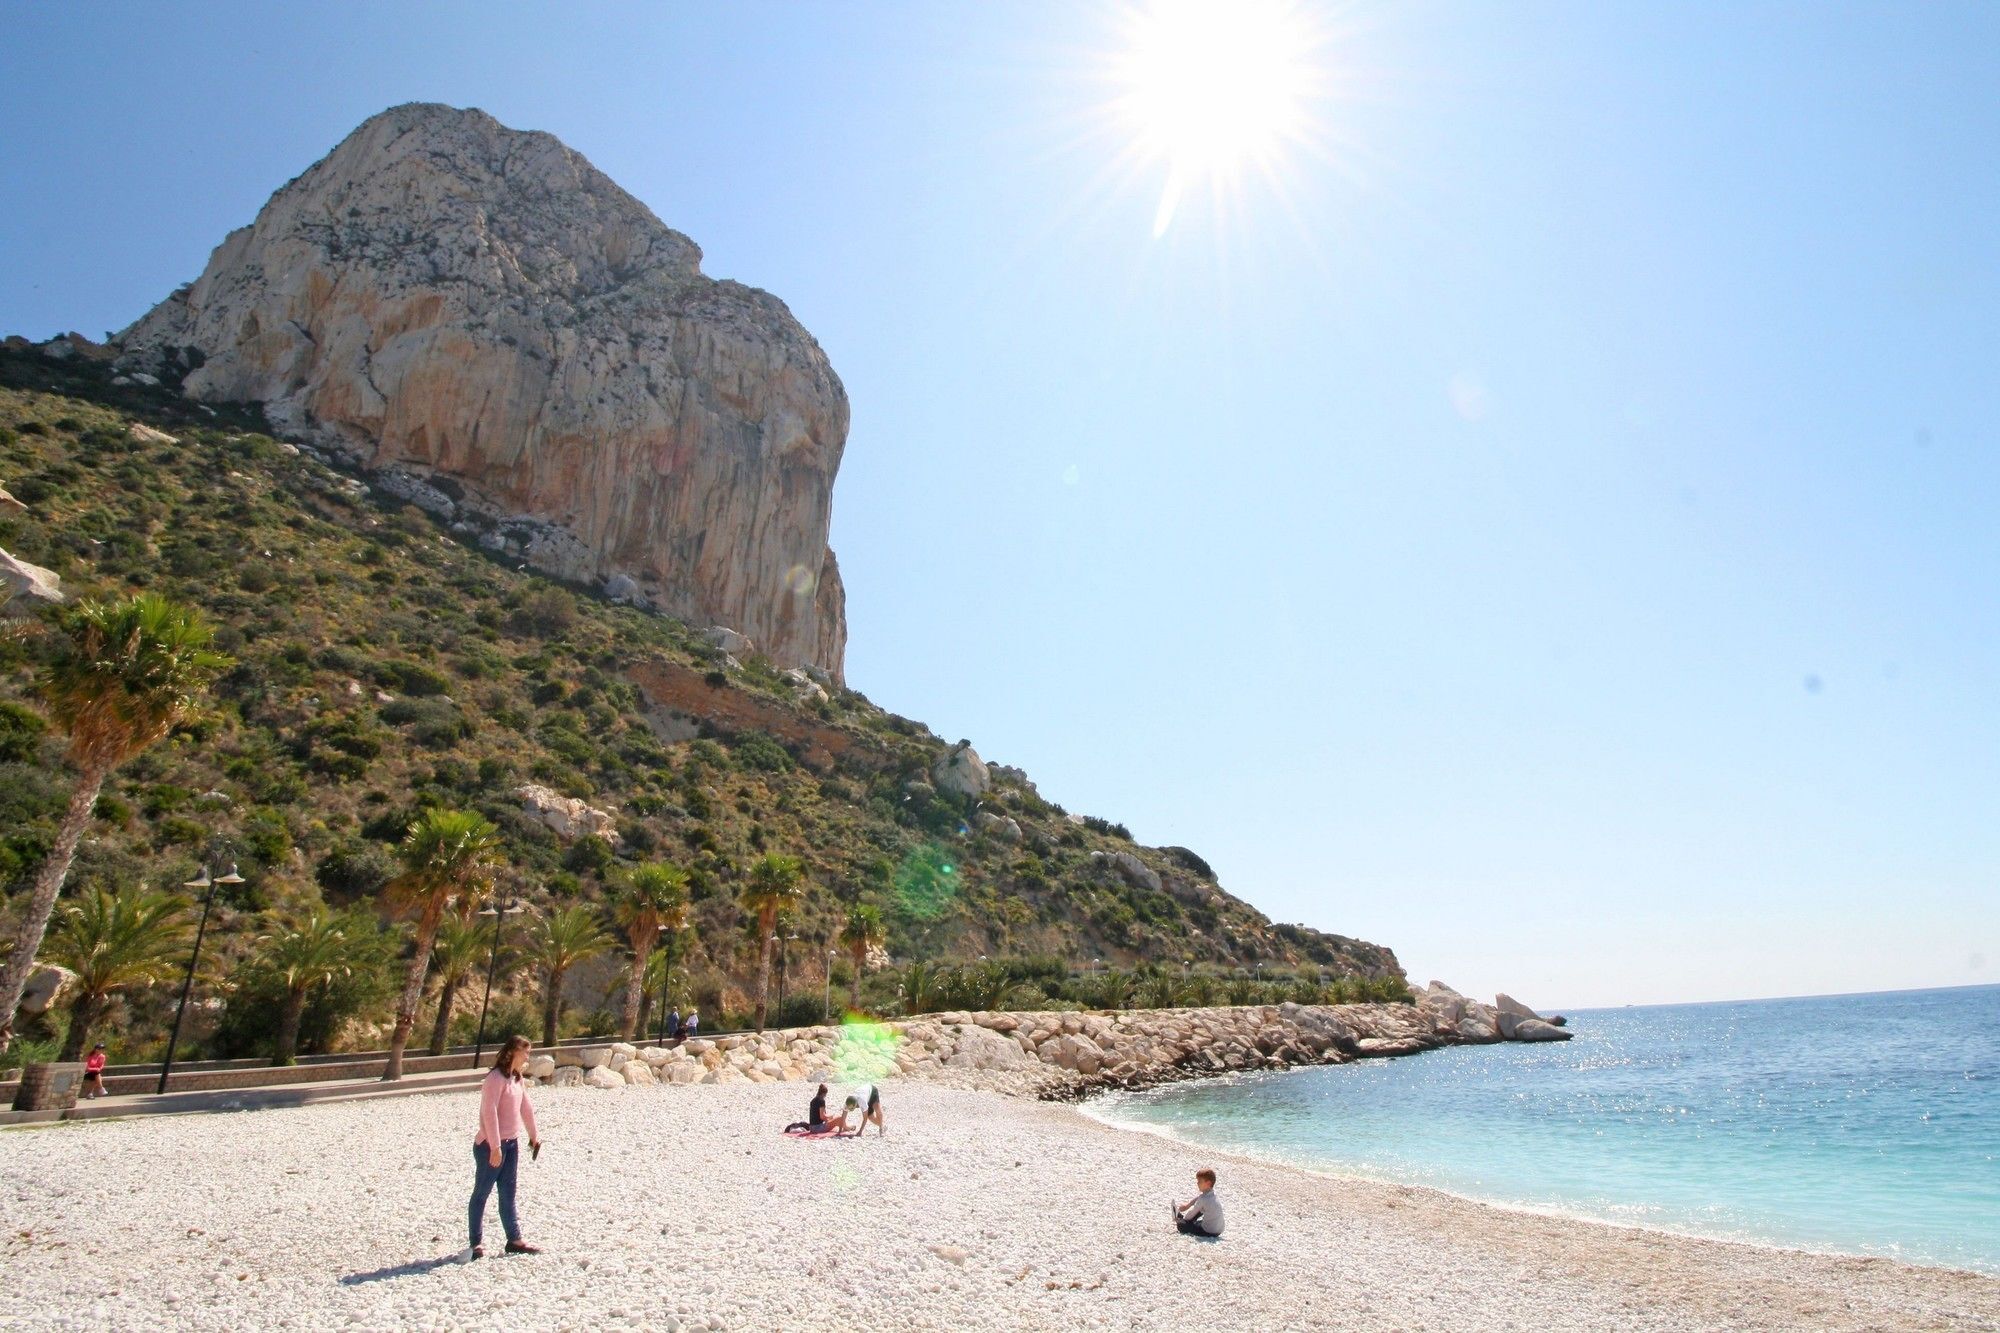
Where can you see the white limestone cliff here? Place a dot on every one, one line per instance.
(480, 310)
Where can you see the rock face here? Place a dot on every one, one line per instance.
(482, 311)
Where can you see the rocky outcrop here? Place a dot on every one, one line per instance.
(961, 770)
(1506, 1019)
(565, 816)
(26, 588)
(1054, 1054)
(481, 312)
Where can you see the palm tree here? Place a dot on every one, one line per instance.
(922, 983)
(861, 935)
(460, 946)
(653, 895)
(568, 936)
(315, 952)
(115, 942)
(124, 675)
(774, 888)
(448, 859)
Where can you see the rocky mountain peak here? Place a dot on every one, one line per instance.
(522, 347)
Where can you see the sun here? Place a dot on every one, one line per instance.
(1212, 88)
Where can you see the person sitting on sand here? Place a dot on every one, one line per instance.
(873, 1115)
(1201, 1215)
(815, 1120)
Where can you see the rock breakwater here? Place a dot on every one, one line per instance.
(1055, 1055)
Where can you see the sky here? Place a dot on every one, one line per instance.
(1531, 504)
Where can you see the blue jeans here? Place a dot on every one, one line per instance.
(482, 1185)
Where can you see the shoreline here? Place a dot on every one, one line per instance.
(1549, 1212)
(684, 1208)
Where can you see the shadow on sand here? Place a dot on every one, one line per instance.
(410, 1269)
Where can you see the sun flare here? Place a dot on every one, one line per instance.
(1209, 89)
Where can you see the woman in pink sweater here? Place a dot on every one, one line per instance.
(496, 1152)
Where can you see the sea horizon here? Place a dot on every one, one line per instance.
(1569, 1012)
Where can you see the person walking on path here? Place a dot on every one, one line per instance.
(693, 1022)
(1201, 1215)
(93, 1072)
(674, 1024)
(496, 1152)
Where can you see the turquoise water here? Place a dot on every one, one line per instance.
(1863, 1124)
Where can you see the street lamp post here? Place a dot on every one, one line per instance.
(207, 885)
(499, 912)
(826, 1006)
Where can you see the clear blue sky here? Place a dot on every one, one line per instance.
(1556, 535)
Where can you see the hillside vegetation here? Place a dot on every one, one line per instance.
(382, 666)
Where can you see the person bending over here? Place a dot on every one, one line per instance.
(873, 1115)
(1201, 1215)
(840, 1126)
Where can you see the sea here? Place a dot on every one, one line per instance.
(1852, 1124)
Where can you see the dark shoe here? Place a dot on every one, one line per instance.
(478, 1252)
(522, 1247)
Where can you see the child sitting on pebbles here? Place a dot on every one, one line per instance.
(1201, 1215)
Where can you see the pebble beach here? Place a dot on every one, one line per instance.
(685, 1208)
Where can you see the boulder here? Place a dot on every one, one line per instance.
(639, 1074)
(568, 1057)
(685, 1071)
(1077, 1052)
(143, 434)
(565, 816)
(1136, 871)
(26, 588)
(9, 505)
(621, 588)
(729, 641)
(999, 826)
(541, 1067)
(1479, 1026)
(1534, 1029)
(600, 1077)
(1384, 1046)
(568, 1076)
(45, 988)
(1507, 1004)
(961, 770)
(593, 1057)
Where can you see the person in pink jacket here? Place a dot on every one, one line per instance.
(496, 1151)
